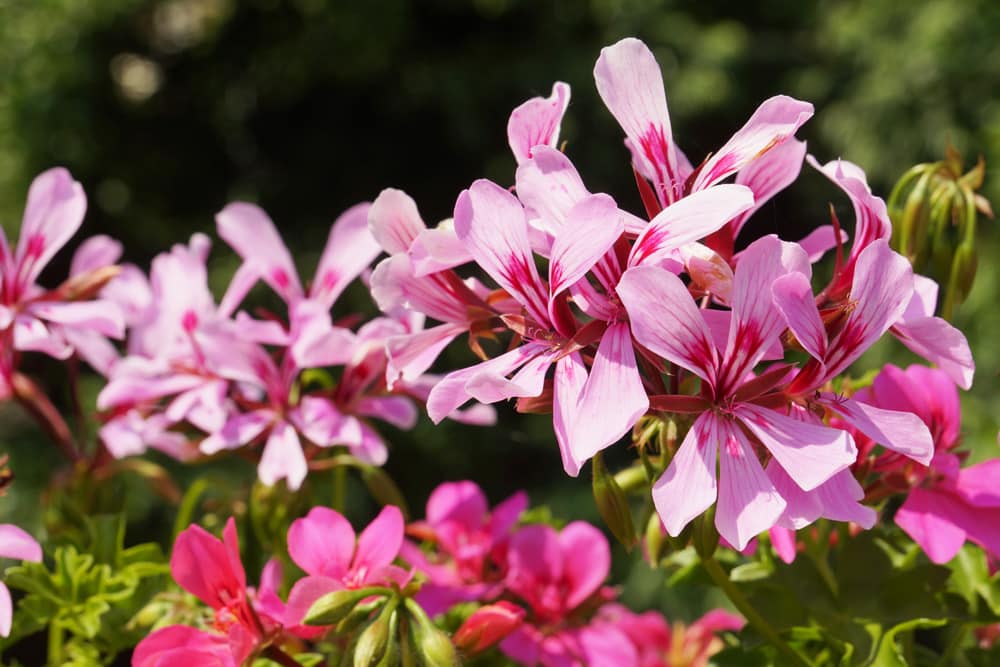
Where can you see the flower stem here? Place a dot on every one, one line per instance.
(276, 654)
(753, 617)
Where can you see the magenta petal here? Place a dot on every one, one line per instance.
(665, 319)
(394, 220)
(283, 457)
(783, 541)
(350, 248)
(903, 432)
(793, 297)
(605, 645)
(692, 218)
(203, 566)
(322, 543)
(461, 502)
(979, 485)
(570, 378)
(613, 397)
(809, 453)
(183, 646)
(929, 518)
(250, 232)
(506, 514)
(536, 122)
(687, 488)
(379, 542)
(587, 561)
(491, 223)
(17, 543)
(748, 502)
(592, 227)
(774, 121)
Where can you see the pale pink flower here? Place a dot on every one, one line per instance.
(14, 543)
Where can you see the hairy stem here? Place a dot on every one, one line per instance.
(753, 617)
(38, 405)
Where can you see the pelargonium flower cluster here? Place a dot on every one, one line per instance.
(201, 377)
(663, 317)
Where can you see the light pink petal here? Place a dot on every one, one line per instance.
(243, 280)
(322, 543)
(817, 242)
(96, 252)
(592, 227)
(774, 121)
(31, 335)
(687, 487)
(709, 272)
(902, 432)
(349, 250)
(793, 297)
(6, 611)
(450, 393)
(491, 223)
(882, 288)
(438, 249)
(613, 398)
(397, 410)
(809, 453)
(690, 219)
(17, 543)
(933, 520)
(549, 186)
(536, 122)
(316, 342)
(768, 174)
(283, 458)
(587, 561)
(529, 380)
(748, 502)
(264, 332)
(783, 541)
(371, 449)
(93, 348)
(756, 323)
(630, 83)
(937, 341)
(568, 383)
(394, 220)
(100, 316)
(250, 232)
(837, 499)
(53, 213)
(410, 356)
(394, 286)
(379, 542)
(239, 430)
(665, 319)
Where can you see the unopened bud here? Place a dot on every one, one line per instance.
(706, 537)
(612, 503)
(374, 640)
(654, 539)
(433, 646)
(487, 626)
(86, 285)
(334, 607)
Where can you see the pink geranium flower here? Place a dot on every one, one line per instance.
(559, 576)
(661, 644)
(470, 545)
(323, 544)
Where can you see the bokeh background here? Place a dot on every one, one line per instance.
(168, 109)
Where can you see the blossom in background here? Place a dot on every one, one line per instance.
(14, 543)
(324, 545)
(662, 644)
(558, 575)
(469, 555)
(36, 319)
(945, 504)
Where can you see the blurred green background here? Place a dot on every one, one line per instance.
(168, 109)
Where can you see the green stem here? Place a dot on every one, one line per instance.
(55, 644)
(753, 617)
(954, 644)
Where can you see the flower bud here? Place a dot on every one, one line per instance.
(654, 539)
(433, 646)
(373, 643)
(706, 537)
(487, 626)
(334, 607)
(612, 503)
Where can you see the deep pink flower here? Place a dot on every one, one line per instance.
(323, 544)
(661, 644)
(469, 559)
(487, 626)
(558, 575)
